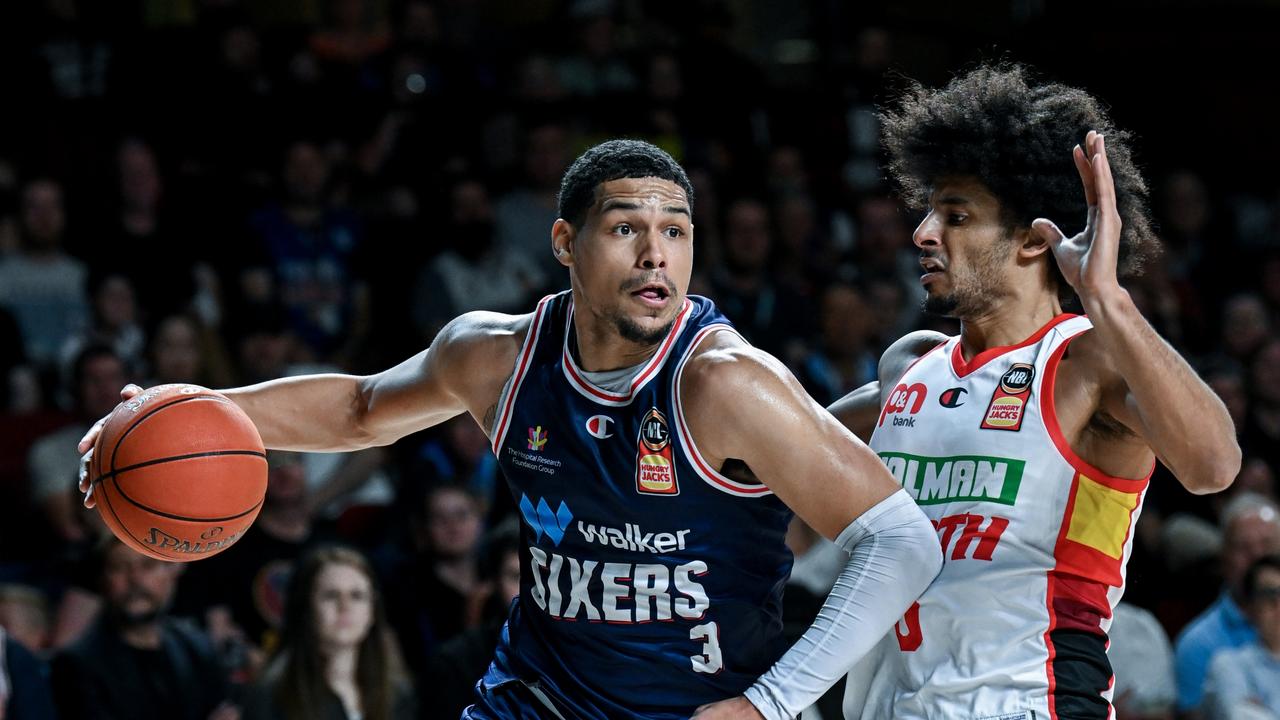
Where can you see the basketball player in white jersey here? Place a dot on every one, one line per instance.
(1029, 438)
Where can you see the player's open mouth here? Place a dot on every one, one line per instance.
(653, 294)
(933, 269)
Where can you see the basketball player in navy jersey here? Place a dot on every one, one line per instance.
(1030, 437)
(656, 458)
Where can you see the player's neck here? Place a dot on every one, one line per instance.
(601, 348)
(1007, 322)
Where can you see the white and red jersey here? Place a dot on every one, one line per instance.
(1035, 542)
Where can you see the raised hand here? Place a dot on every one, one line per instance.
(1088, 260)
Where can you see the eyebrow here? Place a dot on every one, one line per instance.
(954, 200)
(614, 204)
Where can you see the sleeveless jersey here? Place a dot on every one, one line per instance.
(1035, 542)
(650, 582)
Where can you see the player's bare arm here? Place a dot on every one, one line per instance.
(810, 461)
(743, 404)
(462, 371)
(1123, 388)
(859, 410)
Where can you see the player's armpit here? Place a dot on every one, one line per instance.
(742, 403)
(859, 410)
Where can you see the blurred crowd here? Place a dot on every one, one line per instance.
(223, 192)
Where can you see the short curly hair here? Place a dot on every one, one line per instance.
(614, 160)
(1014, 134)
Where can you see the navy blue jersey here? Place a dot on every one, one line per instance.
(650, 582)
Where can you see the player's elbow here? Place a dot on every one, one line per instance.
(1216, 470)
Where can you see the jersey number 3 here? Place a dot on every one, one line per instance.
(710, 661)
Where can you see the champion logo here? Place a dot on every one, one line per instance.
(598, 427)
(952, 398)
(545, 522)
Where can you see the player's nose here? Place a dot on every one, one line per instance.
(652, 254)
(928, 233)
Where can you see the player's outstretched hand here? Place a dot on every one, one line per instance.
(86, 446)
(1088, 260)
(738, 708)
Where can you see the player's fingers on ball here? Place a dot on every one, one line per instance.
(86, 442)
(84, 470)
(89, 499)
(129, 391)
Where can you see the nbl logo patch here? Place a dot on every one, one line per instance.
(1009, 401)
(655, 462)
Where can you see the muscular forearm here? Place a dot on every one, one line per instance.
(318, 413)
(1184, 422)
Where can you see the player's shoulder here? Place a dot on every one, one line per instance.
(725, 366)
(480, 338)
(896, 358)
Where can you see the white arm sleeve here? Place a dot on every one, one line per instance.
(894, 554)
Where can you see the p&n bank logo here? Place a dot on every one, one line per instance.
(904, 399)
(545, 522)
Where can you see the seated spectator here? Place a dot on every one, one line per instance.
(240, 592)
(438, 580)
(24, 614)
(844, 358)
(1248, 677)
(137, 662)
(54, 462)
(460, 662)
(1251, 529)
(1142, 661)
(337, 658)
(114, 322)
(42, 286)
(473, 272)
(24, 683)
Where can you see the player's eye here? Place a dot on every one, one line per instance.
(957, 218)
(623, 229)
(674, 232)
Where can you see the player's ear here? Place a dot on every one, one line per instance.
(1029, 243)
(562, 237)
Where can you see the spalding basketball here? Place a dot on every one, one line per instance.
(179, 472)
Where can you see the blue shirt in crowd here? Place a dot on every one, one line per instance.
(1222, 626)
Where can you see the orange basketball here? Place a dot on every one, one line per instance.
(179, 472)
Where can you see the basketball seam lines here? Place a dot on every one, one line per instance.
(120, 440)
(171, 458)
(183, 518)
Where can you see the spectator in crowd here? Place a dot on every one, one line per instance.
(240, 591)
(24, 614)
(438, 581)
(337, 658)
(522, 215)
(137, 662)
(1142, 662)
(181, 352)
(140, 236)
(473, 273)
(766, 313)
(53, 463)
(310, 247)
(42, 286)
(1244, 682)
(114, 322)
(461, 661)
(1246, 325)
(845, 358)
(460, 455)
(24, 682)
(1261, 433)
(1250, 529)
